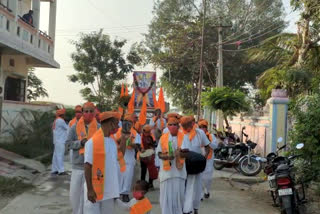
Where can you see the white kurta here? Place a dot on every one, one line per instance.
(127, 176)
(207, 174)
(172, 184)
(111, 178)
(77, 191)
(194, 186)
(59, 140)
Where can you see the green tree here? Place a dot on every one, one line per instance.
(100, 65)
(35, 87)
(306, 130)
(229, 101)
(174, 38)
(295, 56)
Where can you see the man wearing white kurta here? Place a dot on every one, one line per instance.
(127, 177)
(207, 174)
(110, 179)
(60, 129)
(172, 179)
(194, 139)
(76, 142)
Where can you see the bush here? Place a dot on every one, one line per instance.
(306, 129)
(33, 138)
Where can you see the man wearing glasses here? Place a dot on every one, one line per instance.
(78, 135)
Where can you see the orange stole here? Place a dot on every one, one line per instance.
(192, 133)
(82, 133)
(164, 140)
(141, 207)
(72, 122)
(118, 135)
(98, 163)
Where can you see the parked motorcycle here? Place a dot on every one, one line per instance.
(282, 183)
(239, 156)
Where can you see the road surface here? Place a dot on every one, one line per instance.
(51, 196)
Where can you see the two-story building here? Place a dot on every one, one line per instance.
(22, 46)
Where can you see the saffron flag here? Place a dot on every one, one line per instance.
(155, 102)
(126, 93)
(122, 91)
(161, 102)
(131, 103)
(143, 112)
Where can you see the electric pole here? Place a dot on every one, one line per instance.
(201, 60)
(219, 81)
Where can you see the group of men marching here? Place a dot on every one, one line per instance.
(106, 146)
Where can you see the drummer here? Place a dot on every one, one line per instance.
(194, 139)
(126, 177)
(207, 174)
(148, 144)
(173, 172)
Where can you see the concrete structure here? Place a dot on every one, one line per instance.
(265, 129)
(23, 46)
(278, 117)
(258, 129)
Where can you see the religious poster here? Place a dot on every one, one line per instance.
(144, 85)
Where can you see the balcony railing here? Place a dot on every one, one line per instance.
(5, 7)
(33, 38)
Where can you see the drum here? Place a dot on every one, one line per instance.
(147, 156)
(195, 163)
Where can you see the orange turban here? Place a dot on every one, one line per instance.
(60, 112)
(173, 120)
(89, 105)
(176, 115)
(78, 108)
(203, 122)
(147, 128)
(186, 119)
(128, 117)
(109, 114)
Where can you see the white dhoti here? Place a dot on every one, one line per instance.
(192, 193)
(100, 207)
(77, 191)
(172, 196)
(207, 176)
(58, 157)
(126, 179)
(70, 155)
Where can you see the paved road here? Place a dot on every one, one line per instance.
(51, 197)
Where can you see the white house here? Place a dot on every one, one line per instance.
(22, 45)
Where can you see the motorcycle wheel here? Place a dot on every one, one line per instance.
(250, 170)
(218, 166)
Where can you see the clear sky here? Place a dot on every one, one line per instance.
(124, 19)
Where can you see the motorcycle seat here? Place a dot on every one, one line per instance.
(282, 167)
